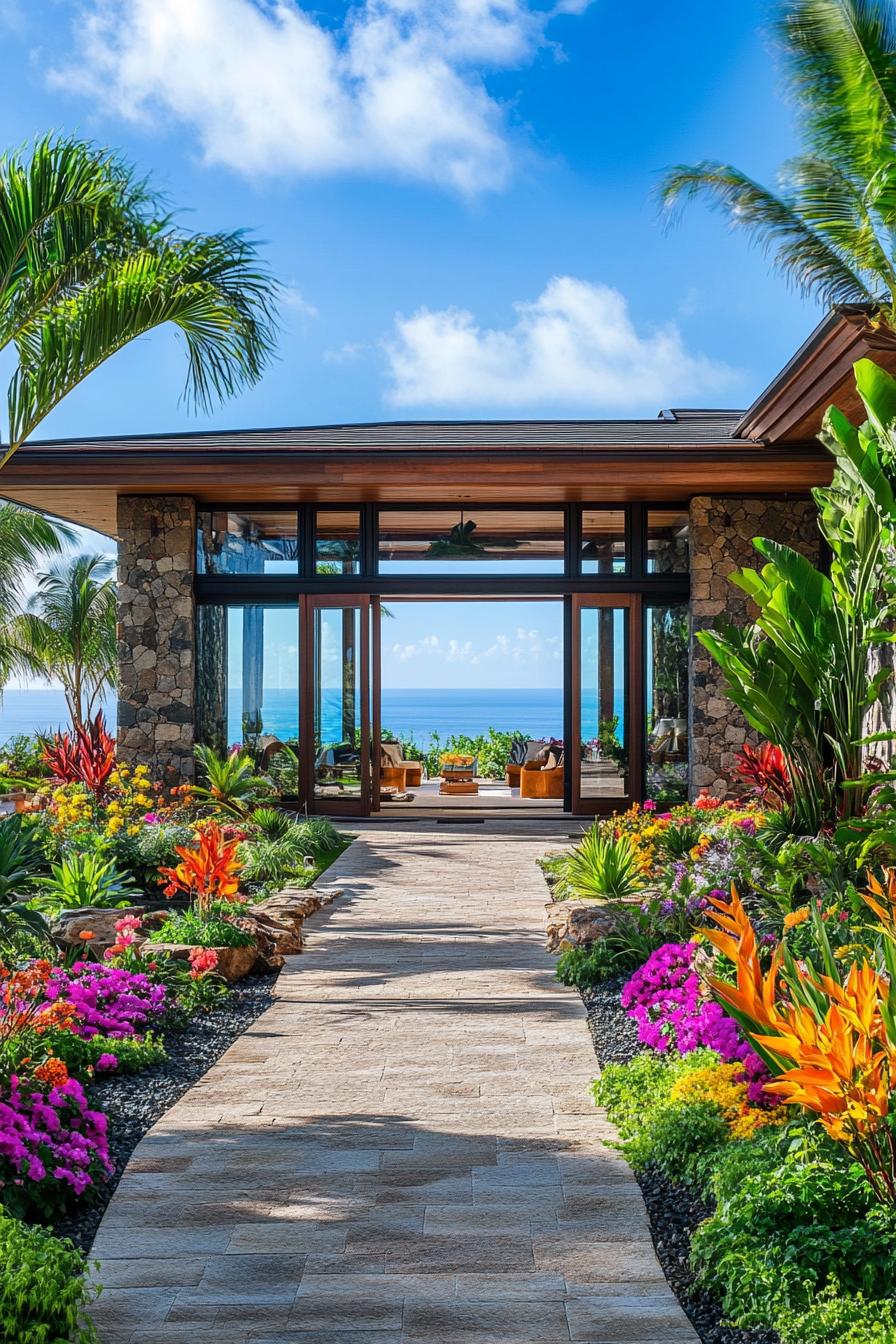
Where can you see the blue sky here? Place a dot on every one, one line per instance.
(457, 195)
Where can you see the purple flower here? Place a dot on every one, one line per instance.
(665, 998)
(107, 1062)
(747, 825)
(109, 1001)
(51, 1143)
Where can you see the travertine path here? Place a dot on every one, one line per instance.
(403, 1149)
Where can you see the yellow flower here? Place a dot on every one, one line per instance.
(796, 917)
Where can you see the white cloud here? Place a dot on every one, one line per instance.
(293, 298)
(575, 345)
(268, 87)
(525, 647)
(346, 353)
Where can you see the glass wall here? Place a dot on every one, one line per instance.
(603, 705)
(247, 684)
(666, 639)
(337, 541)
(338, 707)
(255, 541)
(603, 541)
(483, 541)
(667, 541)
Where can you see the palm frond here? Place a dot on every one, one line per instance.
(65, 205)
(841, 56)
(806, 258)
(838, 209)
(207, 287)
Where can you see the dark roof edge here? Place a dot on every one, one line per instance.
(111, 439)
(815, 338)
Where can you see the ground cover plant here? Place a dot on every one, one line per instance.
(758, 940)
(103, 836)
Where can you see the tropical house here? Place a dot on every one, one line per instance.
(248, 553)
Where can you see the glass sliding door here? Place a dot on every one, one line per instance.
(666, 645)
(607, 739)
(336, 704)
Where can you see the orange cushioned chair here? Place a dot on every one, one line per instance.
(542, 780)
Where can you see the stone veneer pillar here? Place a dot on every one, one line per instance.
(722, 529)
(156, 633)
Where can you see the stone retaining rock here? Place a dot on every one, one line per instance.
(575, 923)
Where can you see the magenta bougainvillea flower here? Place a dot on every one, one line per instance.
(665, 998)
(52, 1145)
(108, 1000)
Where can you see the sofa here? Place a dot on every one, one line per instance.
(524, 753)
(542, 778)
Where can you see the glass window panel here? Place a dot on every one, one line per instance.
(337, 542)
(667, 541)
(666, 648)
(478, 541)
(337, 702)
(603, 765)
(247, 685)
(253, 541)
(603, 541)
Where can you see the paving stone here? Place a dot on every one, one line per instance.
(402, 1150)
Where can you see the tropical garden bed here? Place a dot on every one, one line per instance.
(752, 944)
(121, 909)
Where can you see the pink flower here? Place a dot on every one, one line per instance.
(151, 818)
(107, 1062)
(202, 960)
(127, 924)
(649, 805)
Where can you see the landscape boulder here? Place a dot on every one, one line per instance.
(577, 923)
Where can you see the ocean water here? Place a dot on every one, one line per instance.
(536, 713)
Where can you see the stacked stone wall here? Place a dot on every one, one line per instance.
(156, 633)
(721, 531)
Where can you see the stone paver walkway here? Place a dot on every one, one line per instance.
(402, 1150)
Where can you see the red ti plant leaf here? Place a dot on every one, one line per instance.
(86, 756)
(765, 767)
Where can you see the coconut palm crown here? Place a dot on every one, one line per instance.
(831, 226)
(68, 631)
(89, 262)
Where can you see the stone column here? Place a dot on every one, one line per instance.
(721, 535)
(156, 634)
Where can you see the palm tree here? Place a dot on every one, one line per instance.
(89, 262)
(68, 631)
(26, 540)
(831, 227)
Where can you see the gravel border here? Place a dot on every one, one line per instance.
(674, 1209)
(134, 1102)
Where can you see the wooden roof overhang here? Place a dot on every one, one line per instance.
(819, 375)
(81, 482)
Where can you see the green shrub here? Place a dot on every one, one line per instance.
(584, 967)
(43, 1292)
(792, 1220)
(683, 1140)
(319, 836)
(85, 880)
(840, 1320)
(154, 846)
(677, 841)
(602, 866)
(188, 927)
(80, 1054)
(272, 859)
(271, 822)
